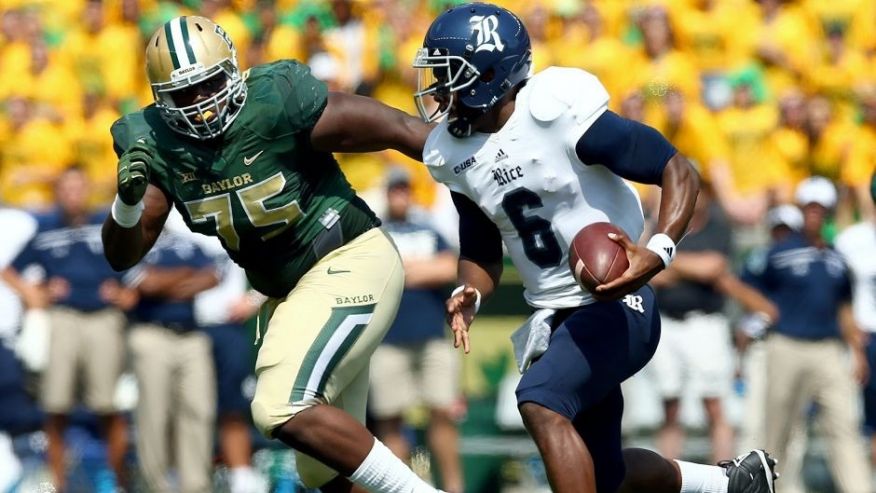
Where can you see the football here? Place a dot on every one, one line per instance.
(596, 259)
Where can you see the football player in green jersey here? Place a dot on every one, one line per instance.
(247, 157)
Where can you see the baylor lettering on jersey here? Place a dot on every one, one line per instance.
(261, 187)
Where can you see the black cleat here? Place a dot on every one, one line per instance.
(753, 472)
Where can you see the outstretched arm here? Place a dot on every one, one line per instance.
(351, 123)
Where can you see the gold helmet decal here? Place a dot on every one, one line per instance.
(192, 68)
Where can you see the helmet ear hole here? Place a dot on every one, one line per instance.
(487, 76)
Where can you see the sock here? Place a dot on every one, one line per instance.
(383, 472)
(700, 478)
(246, 480)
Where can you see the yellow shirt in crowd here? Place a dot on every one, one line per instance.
(754, 163)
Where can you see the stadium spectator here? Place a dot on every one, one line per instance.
(83, 296)
(756, 174)
(173, 363)
(781, 40)
(416, 362)
(694, 131)
(34, 151)
(95, 48)
(781, 221)
(660, 66)
(354, 41)
(862, 157)
(806, 358)
(599, 49)
(857, 245)
(93, 145)
(695, 341)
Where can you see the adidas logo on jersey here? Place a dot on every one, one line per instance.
(468, 163)
(501, 156)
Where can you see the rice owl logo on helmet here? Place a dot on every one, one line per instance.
(473, 56)
(488, 36)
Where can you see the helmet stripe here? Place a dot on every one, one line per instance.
(170, 47)
(185, 35)
(179, 43)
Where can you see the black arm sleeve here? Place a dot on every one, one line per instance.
(628, 148)
(479, 239)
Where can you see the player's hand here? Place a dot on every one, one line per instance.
(460, 313)
(644, 264)
(133, 173)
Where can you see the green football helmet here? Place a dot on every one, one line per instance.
(192, 68)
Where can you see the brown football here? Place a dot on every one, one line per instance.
(595, 258)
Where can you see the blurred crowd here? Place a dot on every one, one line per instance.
(762, 95)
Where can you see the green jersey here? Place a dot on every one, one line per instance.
(261, 188)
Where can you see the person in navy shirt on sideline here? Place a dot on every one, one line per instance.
(416, 362)
(173, 363)
(807, 350)
(83, 297)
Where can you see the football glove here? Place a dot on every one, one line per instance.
(134, 173)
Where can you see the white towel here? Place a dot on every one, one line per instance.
(531, 340)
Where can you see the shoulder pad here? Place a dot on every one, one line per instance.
(556, 90)
(131, 128)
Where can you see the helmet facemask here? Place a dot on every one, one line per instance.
(440, 76)
(210, 117)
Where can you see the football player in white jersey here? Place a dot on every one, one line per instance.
(857, 244)
(530, 160)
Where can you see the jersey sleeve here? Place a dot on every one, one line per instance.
(479, 238)
(303, 96)
(130, 129)
(628, 148)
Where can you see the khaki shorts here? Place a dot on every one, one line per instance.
(320, 338)
(90, 342)
(402, 376)
(695, 352)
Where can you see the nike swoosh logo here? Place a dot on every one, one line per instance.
(330, 271)
(249, 160)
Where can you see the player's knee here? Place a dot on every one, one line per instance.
(268, 416)
(539, 419)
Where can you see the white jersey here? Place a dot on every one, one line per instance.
(857, 244)
(528, 180)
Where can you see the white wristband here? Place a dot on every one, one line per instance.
(459, 289)
(663, 246)
(126, 216)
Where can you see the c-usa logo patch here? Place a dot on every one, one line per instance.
(488, 37)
